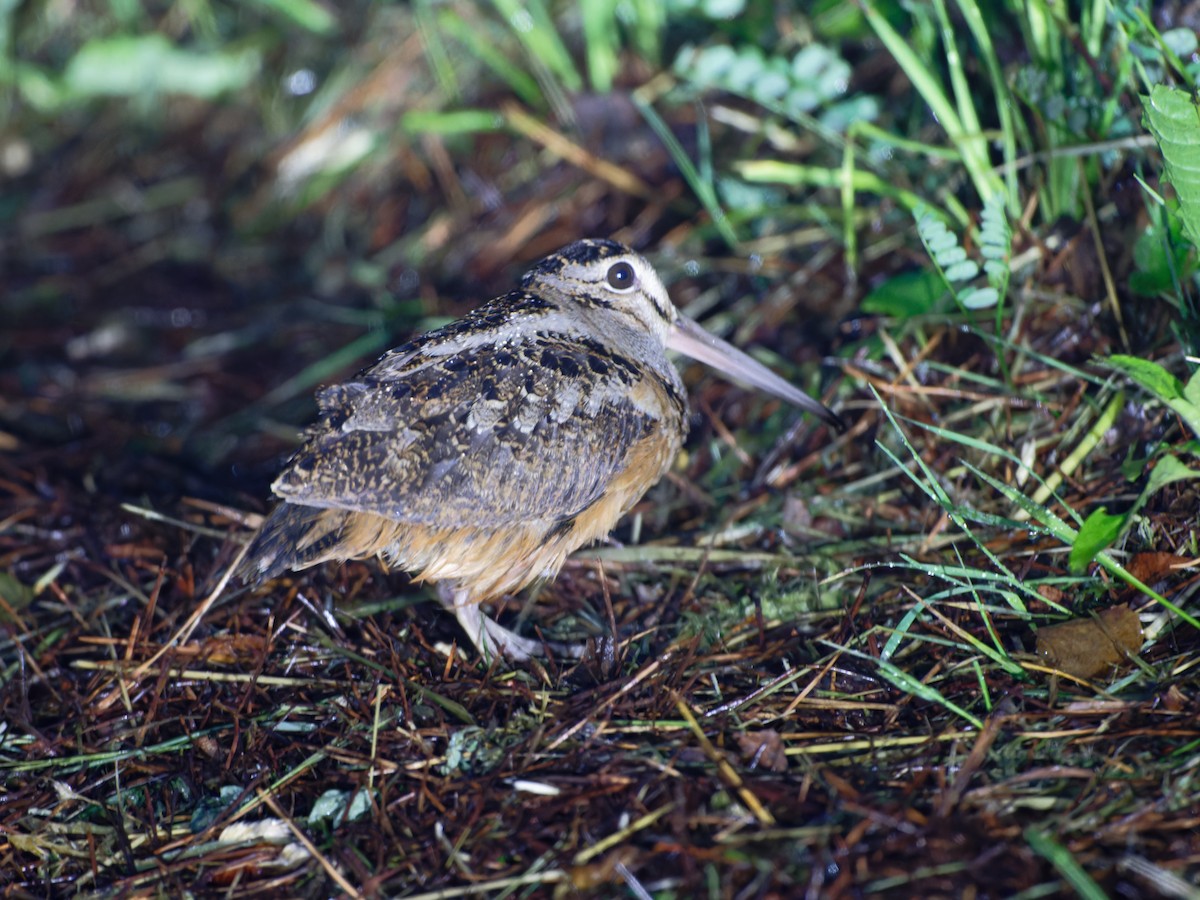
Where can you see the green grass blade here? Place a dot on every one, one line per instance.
(704, 190)
(910, 684)
(1004, 100)
(1068, 866)
(531, 23)
(771, 171)
(435, 48)
(967, 141)
(603, 42)
(1067, 535)
(486, 51)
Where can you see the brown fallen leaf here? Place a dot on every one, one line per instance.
(1089, 647)
(763, 750)
(1149, 567)
(228, 649)
(599, 874)
(1051, 593)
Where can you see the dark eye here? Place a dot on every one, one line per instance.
(620, 276)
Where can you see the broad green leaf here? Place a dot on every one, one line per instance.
(1191, 390)
(1181, 41)
(1167, 470)
(1174, 119)
(906, 295)
(1154, 263)
(1163, 385)
(1149, 375)
(1097, 533)
(1188, 411)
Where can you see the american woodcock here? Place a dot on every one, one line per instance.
(480, 455)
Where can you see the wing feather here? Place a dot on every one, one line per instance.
(491, 435)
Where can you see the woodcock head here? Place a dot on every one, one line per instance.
(480, 455)
(619, 291)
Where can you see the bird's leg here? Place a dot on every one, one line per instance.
(492, 638)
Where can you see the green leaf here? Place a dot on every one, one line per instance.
(995, 244)
(952, 256)
(1191, 390)
(1166, 471)
(706, 65)
(723, 9)
(1097, 533)
(38, 88)
(1165, 386)
(308, 15)
(1133, 466)
(1149, 375)
(771, 86)
(740, 196)
(940, 239)
(339, 806)
(133, 66)
(801, 100)
(1174, 119)
(16, 595)
(746, 71)
(955, 267)
(906, 295)
(531, 23)
(1155, 262)
(961, 269)
(979, 298)
(816, 76)
(844, 113)
(1082, 884)
(603, 43)
(1180, 41)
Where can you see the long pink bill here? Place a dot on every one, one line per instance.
(688, 338)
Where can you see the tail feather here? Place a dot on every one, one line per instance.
(292, 537)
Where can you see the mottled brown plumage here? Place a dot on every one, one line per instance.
(481, 454)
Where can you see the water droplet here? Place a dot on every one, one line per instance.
(301, 82)
(406, 283)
